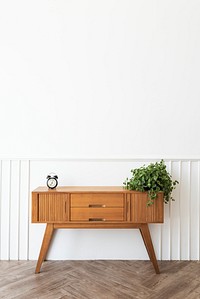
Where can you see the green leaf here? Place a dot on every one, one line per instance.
(152, 178)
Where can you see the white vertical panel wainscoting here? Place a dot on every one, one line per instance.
(177, 239)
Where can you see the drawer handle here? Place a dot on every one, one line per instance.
(97, 206)
(97, 219)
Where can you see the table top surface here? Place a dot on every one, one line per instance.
(91, 189)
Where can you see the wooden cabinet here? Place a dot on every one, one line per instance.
(49, 206)
(95, 207)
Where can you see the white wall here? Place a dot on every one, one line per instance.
(96, 80)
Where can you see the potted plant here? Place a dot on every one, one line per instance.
(152, 179)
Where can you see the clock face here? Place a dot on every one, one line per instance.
(52, 183)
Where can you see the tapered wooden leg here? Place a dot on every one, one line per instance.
(144, 230)
(45, 246)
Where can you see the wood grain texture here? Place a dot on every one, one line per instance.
(87, 199)
(52, 205)
(144, 230)
(106, 214)
(35, 207)
(100, 279)
(82, 189)
(45, 245)
(142, 213)
(91, 208)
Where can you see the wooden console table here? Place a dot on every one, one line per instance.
(94, 207)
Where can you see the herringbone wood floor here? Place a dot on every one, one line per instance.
(99, 280)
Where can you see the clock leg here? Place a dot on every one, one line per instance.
(45, 246)
(144, 230)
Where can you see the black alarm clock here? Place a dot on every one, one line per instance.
(52, 180)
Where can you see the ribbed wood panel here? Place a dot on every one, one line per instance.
(177, 238)
(51, 207)
(141, 213)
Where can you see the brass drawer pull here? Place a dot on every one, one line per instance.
(97, 219)
(96, 206)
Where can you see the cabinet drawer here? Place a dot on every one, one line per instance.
(97, 199)
(97, 214)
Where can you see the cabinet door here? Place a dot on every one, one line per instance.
(141, 213)
(50, 207)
